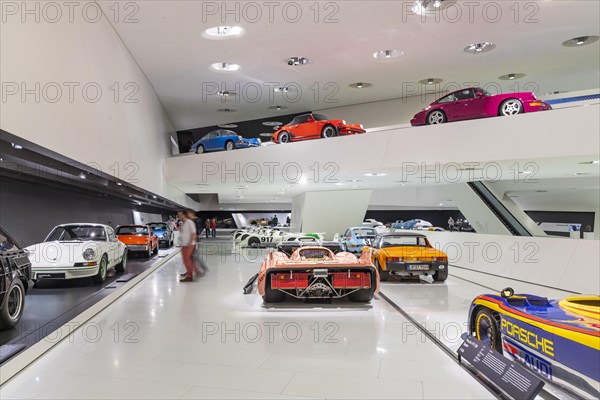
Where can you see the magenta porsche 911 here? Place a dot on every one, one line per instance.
(475, 103)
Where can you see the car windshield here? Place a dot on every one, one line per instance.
(7, 243)
(161, 226)
(228, 133)
(319, 117)
(365, 232)
(132, 230)
(393, 241)
(77, 232)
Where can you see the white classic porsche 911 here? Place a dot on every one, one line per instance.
(78, 250)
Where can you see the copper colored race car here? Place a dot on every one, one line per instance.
(306, 271)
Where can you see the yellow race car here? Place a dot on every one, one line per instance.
(407, 254)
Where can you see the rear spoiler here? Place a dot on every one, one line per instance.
(289, 247)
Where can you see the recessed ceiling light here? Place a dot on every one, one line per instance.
(580, 41)
(16, 146)
(223, 32)
(226, 93)
(388, 54)
(295, 61)
(154, 197)
(440, 204)
(360, 85)
(119, 184)
(284, 89)
(376, 174)
(227, 126)
(511, 77)
(551, 93)
(226, 110)
(478, 48)
(223, 66)
(266, 134)
(272, 123)
(430, 81)
(82, 175)
(578, 174)
(423, 6)
(278, 108)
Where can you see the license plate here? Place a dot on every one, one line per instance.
(418, 267)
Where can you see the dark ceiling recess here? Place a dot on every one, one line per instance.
(21, 160)
(247, 129)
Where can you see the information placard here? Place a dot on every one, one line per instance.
(510, 377)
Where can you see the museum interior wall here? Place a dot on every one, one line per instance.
(29, 211)
(81, 94)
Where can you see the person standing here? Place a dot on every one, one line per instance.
(188, 245)
(450, 224)
(171, 223)
(213, 227)
(207, 227)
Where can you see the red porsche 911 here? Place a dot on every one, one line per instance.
(313, 126)
(475, 103)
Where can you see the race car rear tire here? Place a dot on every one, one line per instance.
(254, 242)
(487, 329)
(283, 137)
(272, 296)
(440, 275)
(361, 296)
(200, 149)
(229, 145)
(383, 275)
(436, 117)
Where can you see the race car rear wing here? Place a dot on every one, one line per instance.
(289, 247)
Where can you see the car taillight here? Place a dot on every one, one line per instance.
(395, 259)
(535, 104)
(440, 258)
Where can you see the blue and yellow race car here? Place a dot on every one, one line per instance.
(557, 339)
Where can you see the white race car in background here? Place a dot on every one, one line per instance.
(266, 237)
(78, 250)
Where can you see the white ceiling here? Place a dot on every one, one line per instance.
(168, 45)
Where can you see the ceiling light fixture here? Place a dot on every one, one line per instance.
(226, 93)
(227, 126)
(16, 146)
(223, 32)
(376, 174)
(278, 108)
(589, 162)
(360, 85)
(295, 61)
(388, 54)
(119, 184)
(226, 67)
(226, 110)
(478, 48)
(580, 41)
(430, 81)
(511, 76)
(82, 175)
(272, 123)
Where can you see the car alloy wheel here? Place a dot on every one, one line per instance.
(200, 149)
(436, 117)
(511, 107)
(284, 137)
(229, 146)
(15, 301)
(328, 131)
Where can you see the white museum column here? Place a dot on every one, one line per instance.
(329, 212)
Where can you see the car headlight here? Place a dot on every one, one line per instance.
(89, 254)
(166, 235)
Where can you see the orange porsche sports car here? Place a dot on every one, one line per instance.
(138, 238)
(407, 254)
(306, 271)
(313, 126)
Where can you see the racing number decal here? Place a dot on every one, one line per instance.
(266, 239)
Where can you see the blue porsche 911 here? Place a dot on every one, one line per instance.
(222, 139)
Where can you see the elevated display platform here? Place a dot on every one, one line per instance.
(521, 148)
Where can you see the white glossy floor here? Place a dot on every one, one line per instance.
(201, 340)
